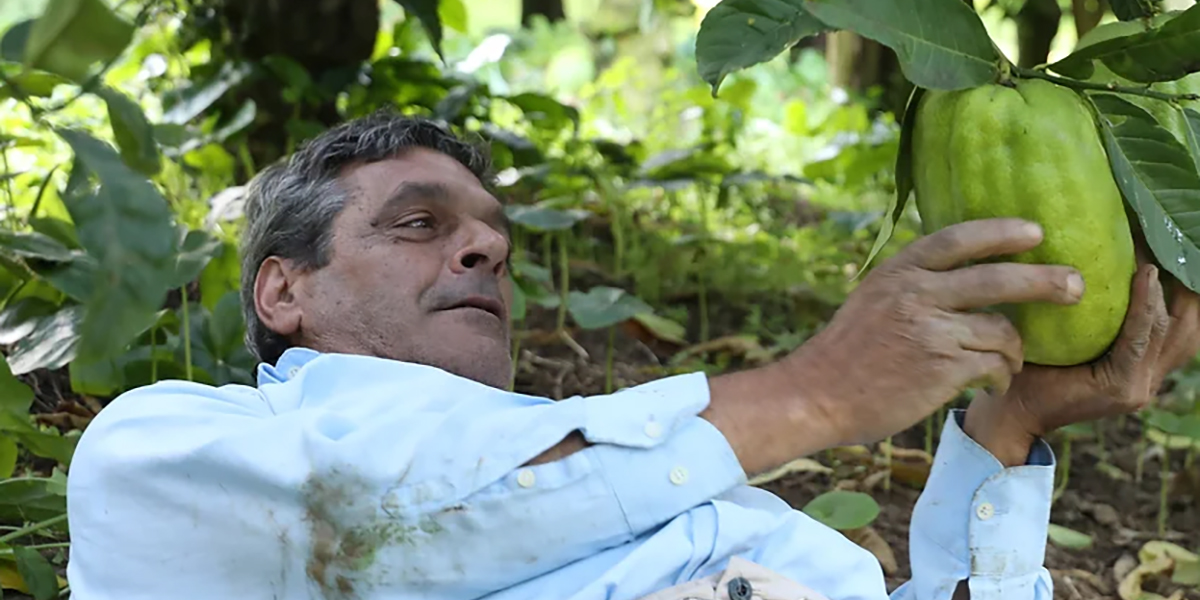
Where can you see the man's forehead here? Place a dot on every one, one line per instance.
(417, 173)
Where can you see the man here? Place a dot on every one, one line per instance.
(380, 457)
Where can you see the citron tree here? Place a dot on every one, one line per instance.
(1100, 147)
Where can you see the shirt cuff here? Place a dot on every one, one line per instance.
(979, 521)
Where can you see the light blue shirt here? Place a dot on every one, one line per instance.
(357, 478)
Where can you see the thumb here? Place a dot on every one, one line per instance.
(1145, 324)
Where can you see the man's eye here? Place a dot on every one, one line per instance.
(418, 223)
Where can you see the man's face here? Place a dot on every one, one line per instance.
(418, 270)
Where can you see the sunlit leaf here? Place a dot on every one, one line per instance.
(73, 35)
(1069, 538)
(544, 109)
(941, 44)
(134, 135)
(37, 572)
(1163, 53)
(33, 245)
(453, 14)
(736, 34)
(663, 328)
(20, 317)
(604, 306)
(1159, 179)
(190, 102)
(127, 226)
(843, 510)
(904, 180)
(31, 499)
(51, 345)
(426, 11)
(8, 456)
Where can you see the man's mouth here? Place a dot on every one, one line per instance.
(484, 303)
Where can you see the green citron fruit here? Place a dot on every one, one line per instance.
(1032, 151)
(1170, 117)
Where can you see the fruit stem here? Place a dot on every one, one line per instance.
(1102, 87)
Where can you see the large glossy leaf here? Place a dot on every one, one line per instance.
(19, 318)
(52, 343)
(37, 572)
(8, 456)
(1192, 134)
(604, 306)
(199, 95)
(843, 510)
(1163, 53)
(1159, 180)
(127, 226)
(196, 249)
(33, 245)
(134, 135)
(426, 11)
(74, 278)
(941, 44)
(32, 499)
(736, 34)
(904, 180)
(73, 35)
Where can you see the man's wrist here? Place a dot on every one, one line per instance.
(992, 422)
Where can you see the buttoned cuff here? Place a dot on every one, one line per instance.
(980, 521)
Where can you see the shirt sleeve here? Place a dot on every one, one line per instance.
(362, 473)
(980, 522)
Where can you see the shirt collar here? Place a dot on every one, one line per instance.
(288, 365)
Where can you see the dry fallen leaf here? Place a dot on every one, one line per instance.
(800, 465)
(1123, 567)
(869, 539)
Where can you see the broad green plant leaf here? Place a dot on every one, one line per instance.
(20, 317)
(51, 345)
(1173, 424)
(31, 499)
(1069, 538)
(196, 250)
(941, 44)
(8, 456)
(426, 11)
(541, 218)
(1159, 180)
(843, 510)
(14, 395)
(127, 226)
(37, 572)
(12, 45)
(33, 245)
(604, 306)
(663, 328)
(904, 180)
(134, 135)
(1128, 10)
(199, 95)
(1192, 134)
(453, 14)
(73, 35)
(737, 34)
(544, 109)
(684, 163)
(1163, 53)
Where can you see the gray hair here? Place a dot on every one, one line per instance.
(291, 205)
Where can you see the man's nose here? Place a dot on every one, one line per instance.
(480, 247)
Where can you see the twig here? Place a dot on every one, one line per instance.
(1103, 87)
(8, 537)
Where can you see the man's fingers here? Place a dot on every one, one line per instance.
(992, 333)
(1002, 283)
(1183, 334)
(970, 240)
(1141, 321)
(990, 369)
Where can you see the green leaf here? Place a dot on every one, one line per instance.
(737, 34)
(134, 135)
(12, 45)
(1163, 53)
(196, 250)
(517, 311)
(1173, 424)
(1128, 10)
(37, 572)
(545, 219)
(190, 102)
(1069, 538)
(14, 395)
(51, 345)
(663, 328)
(941, 44)
(1159, 180)
(59, 229)
(843, 510)
(426, 11)
(73, 35)
(8, 456)
(604, 306)
(904, 180)
(31, 499)
(544, 109)
(19, 318)
(127, 226)
(99, 378)
(1191, 133)
(1186, 572)
(226, 326)
(453, 14)
(684, 163)
(74, 278)
(29, 244)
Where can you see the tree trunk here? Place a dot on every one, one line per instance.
(551, 9)
(860, 65)
(1037, 24)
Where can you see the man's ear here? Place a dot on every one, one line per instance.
(275, 296)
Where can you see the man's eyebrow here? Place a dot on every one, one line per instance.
(406, 193)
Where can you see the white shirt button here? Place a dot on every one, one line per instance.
(653, 429)
(985, 511)
(526, 478)
(679, 475)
